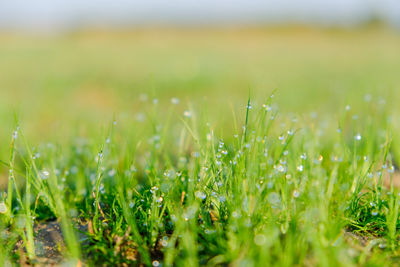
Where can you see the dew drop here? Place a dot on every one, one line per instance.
(200, 195)
(274, 199)
(175, 101)
(300, 168)
(267, 107)
(3, 207)
(44, 174)
(260, 239)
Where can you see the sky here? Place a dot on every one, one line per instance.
(67, 14)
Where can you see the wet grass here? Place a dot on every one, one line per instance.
(281, 190)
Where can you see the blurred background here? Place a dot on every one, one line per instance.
(67, 67)
(56, 15)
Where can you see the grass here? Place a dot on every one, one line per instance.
(259, 180)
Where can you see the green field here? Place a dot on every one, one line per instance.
(243, 147)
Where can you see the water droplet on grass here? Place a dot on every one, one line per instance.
(260, 239)
(391, 169)
(175, 101)
(274, 199)
(200, 195)
(3, 207)
(267, 107)
(300, 168)
(281, 168)
(44, 174)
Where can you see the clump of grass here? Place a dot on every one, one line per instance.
(276, 190)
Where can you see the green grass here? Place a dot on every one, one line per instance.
(301, 175)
